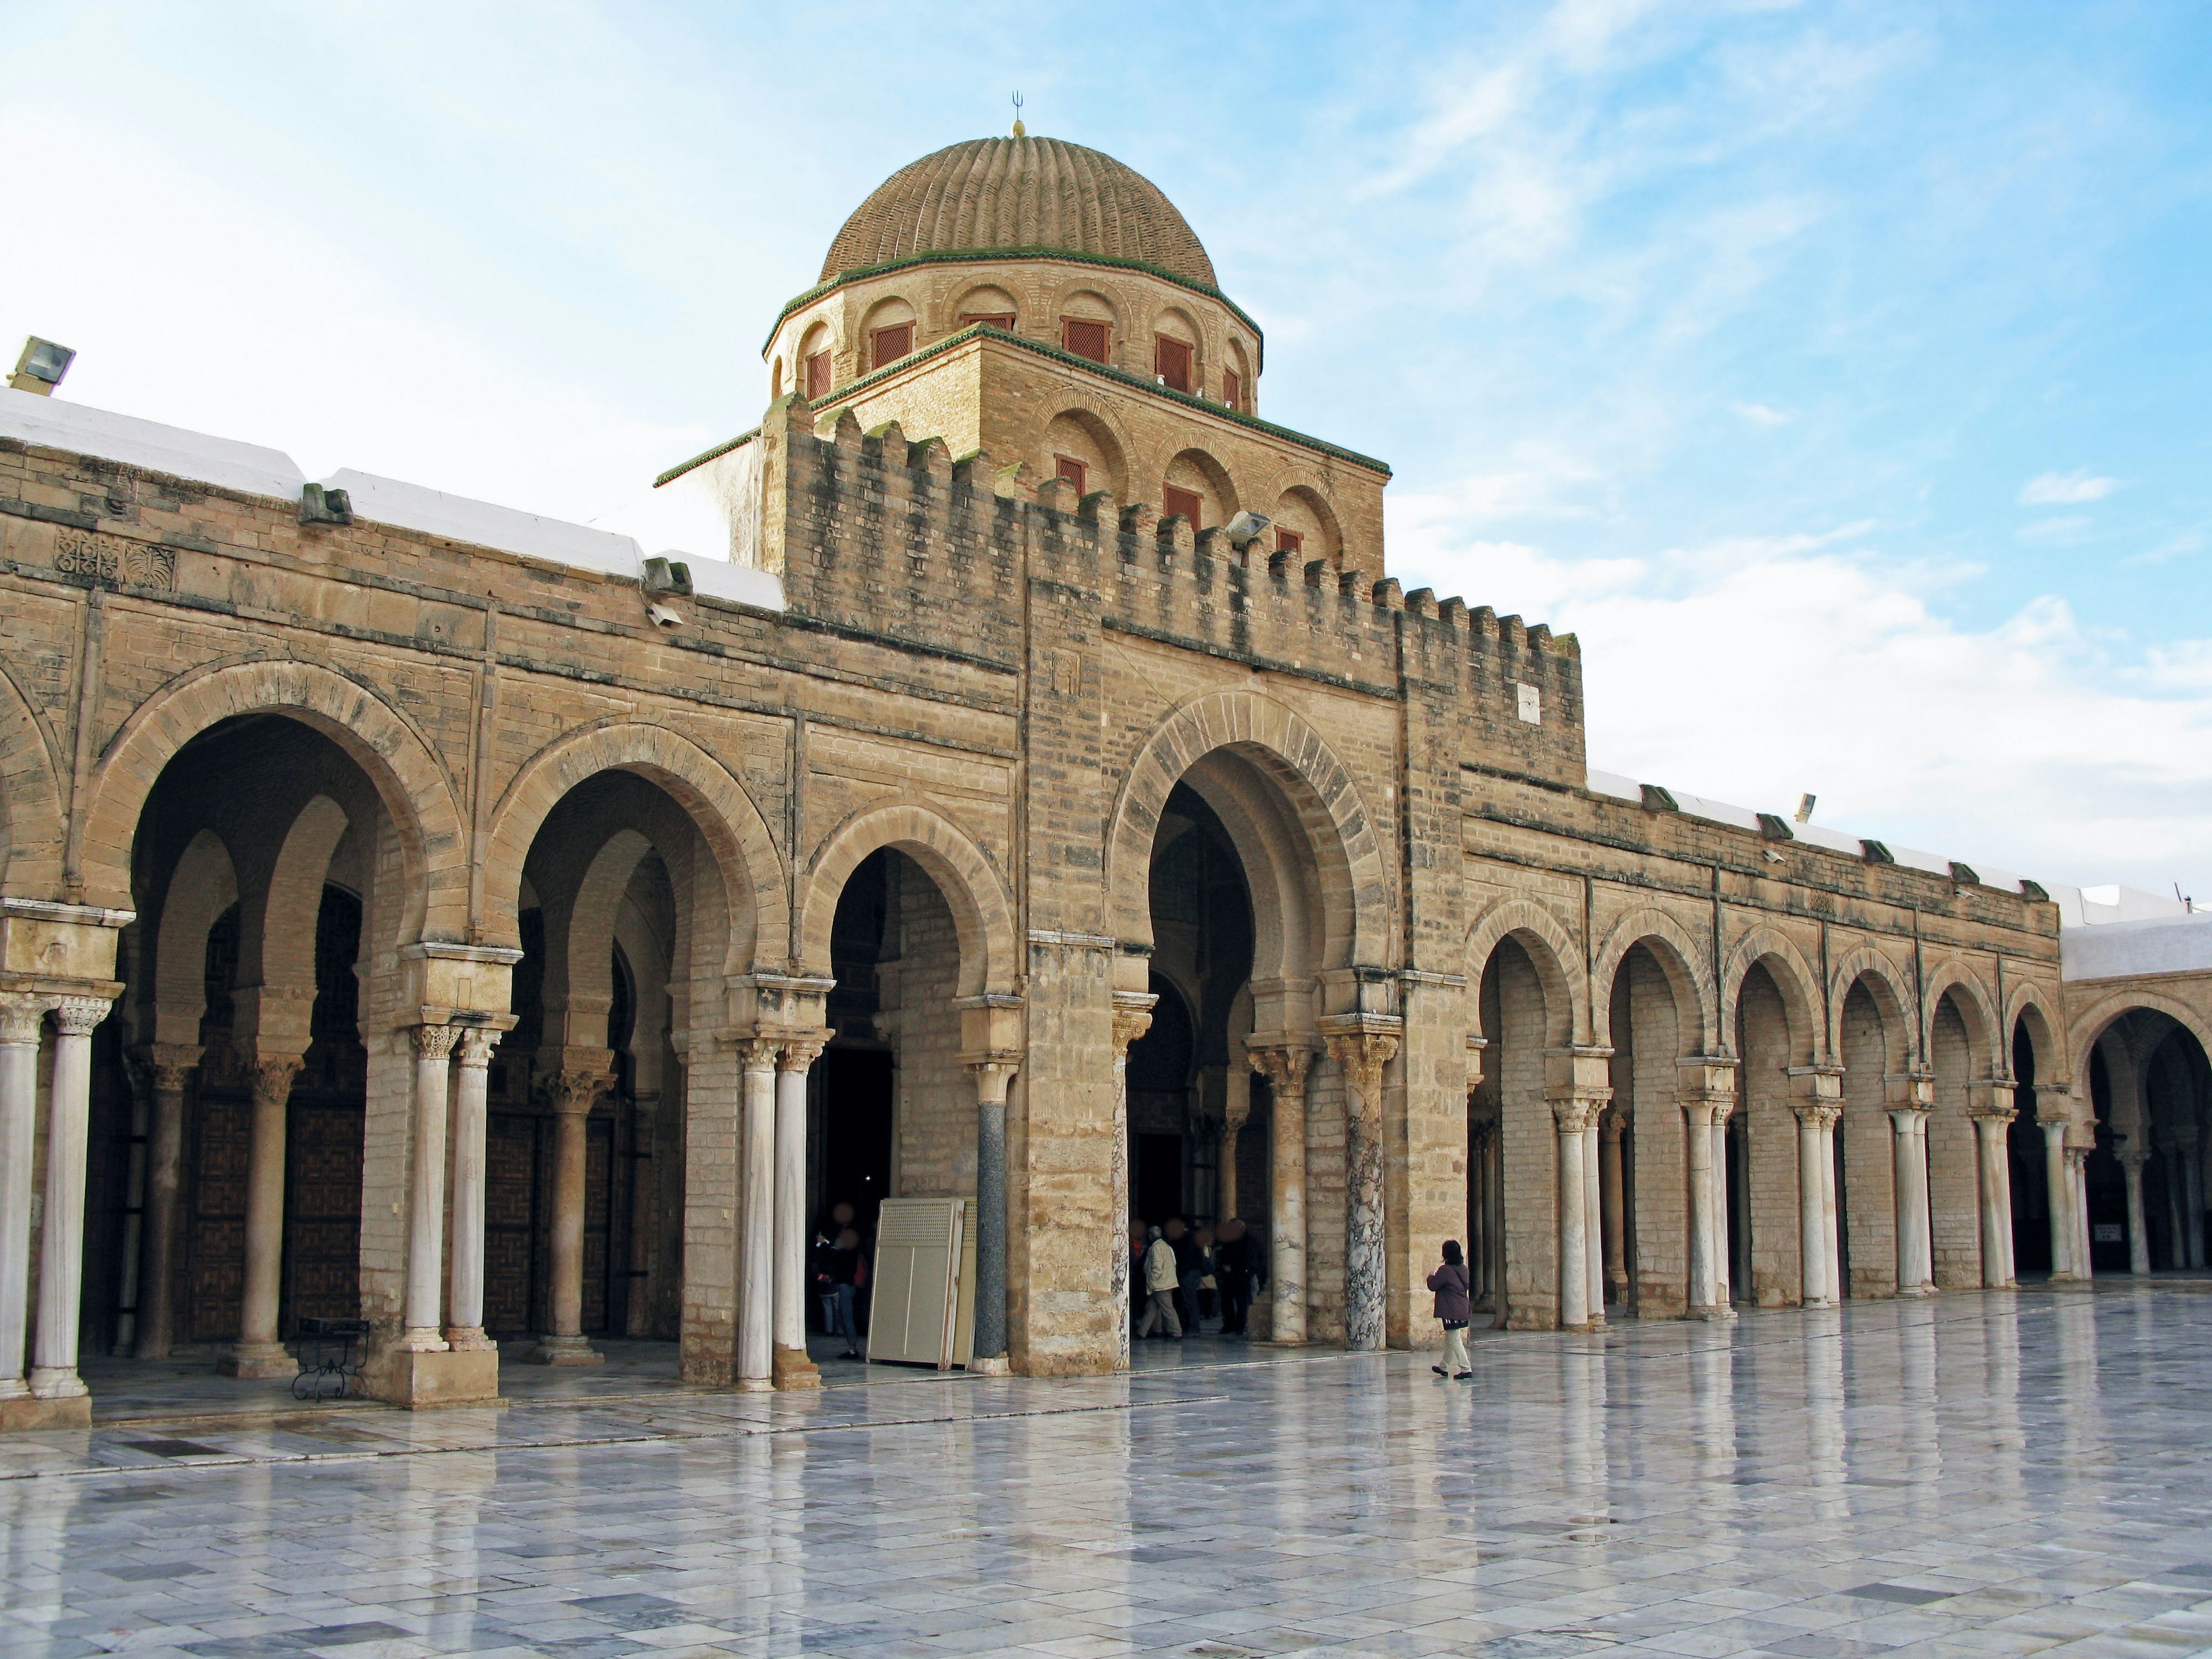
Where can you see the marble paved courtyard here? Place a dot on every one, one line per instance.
(2001, 1473)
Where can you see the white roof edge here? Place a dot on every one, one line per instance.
(225, 463)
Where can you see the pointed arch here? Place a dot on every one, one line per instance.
(2090, 1023)
(1550, 947)
(1352, 877)
(1886, 985)
(1970, 996)
(2027, 1006)
(277, 958)
(32, 824)
(383, 742)
(1793, 977)
(982, 908)
(1678, 956)
(726, 817)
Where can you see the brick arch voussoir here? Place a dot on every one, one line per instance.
(1231, 719)
(1957, 979)
(725, 815)
(1679, 959)
(33, 828)
(401, 762)
(2092, 1022)
(973, 888)
(1549, 940)
(2028, 998)
(1893, 998)
(1799, 985)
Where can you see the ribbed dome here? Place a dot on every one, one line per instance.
(1019, 193)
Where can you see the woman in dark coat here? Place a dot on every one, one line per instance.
(1455, 1310)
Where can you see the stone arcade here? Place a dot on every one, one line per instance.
(1049, 798)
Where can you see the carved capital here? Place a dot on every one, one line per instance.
(992, 1071)
(1820, 1114)
(575, 1090)
(801, 1049)
(1992, 1113)
(1283, 1065)
(434, 1042)
(1132, 1017)
(476, 1045)
(1573, 1114)
(1615, 1124)
(22, 1017)
(1363, 1054)
(271, 1079)
(759, 1053)
(78, 1016)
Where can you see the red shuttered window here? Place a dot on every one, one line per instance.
(1289, 540)
(1067, 467)
(888, 345)
(996, 319)
(1232, 389)
(818, 376)
(1084, 340)
(1188, 503)
(1171, 362)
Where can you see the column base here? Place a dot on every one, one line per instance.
(755, 1385)
(57, 1382)
(565, 1351)
(24, 1412)
(794, 1372)
(421, 1381)
(469, 1340)
(257, 1361)
(998, 1365)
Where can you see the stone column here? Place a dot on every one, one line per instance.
(792, 1369)
(1990, 1127)
(757, 1218)
(22, 1019)
(1915, 1274)
(1705, 1085)
(465, 1283)
(258, 1353)
(1723, 1246)
(2059, 1184)
(1614, 1205)
(61, 1245)
(2078, 1157)
(1285, 1066)
(991, 1076)
(1572, 1116)
(572, 1092)
(2131, 1165)
(2192, 1195)
(1236, 1111)
(1594, 1220)
(1830, 1209)
(1362, 1052)
(644, 1213)
(419, 1324)
(1812, 1210)
(1132, 1017)
(171, 1064)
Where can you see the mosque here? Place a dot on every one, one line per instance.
(423, 913)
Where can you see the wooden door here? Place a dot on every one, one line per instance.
(322, 1228)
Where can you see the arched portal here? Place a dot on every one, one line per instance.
(1873, 1044)
(2151, 1089)
(1245, 774)
(1654, 1025)
(1774, 1038)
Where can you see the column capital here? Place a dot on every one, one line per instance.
(1614, 1123)
(1132, 1017)
(757, 1054)
(1818, 1113)
(576, 1089)
(1575, 1113)
(271, 1078)
(1991, 1114)
(992, 1070)
(2132, 1160)
(1910, 1120)
(1475, 1045)
(475, 1044)
(1363, 1044)
(801, 1049)
(1284, 1064)
(22, 1015)
(76, 1016)
(434, 1041)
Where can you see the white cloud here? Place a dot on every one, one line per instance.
(2065, 488)
(2065, 528)
(1753, 669)
(1762, 414)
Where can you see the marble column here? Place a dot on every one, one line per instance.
(465, 1281)
(1363, 1054)
(258, 1353)
(1723, 1244)
(23, 1020)
(2192, 1195)
(171, 1064)
(1832, 1215)
(130, 1254)
(757, 1218)
(61, 1242)
(1481, 1133)
(2078, 1157)
(419, 1325)
(1812, 1211)
(1613, 1207)
(989, 1351)
(792, 1369)
(1705, 1232)
(2058, 1182)
(644, 1214)
(2131, 1165)
(1593, 1219)
(1285, 1066)
(1571, 1117)
(1132, 1017)
(1236, 1111)
(1916, 1273)
(572, 1094)
(1989, 1128)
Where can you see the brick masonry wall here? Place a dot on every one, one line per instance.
(1869, 1194)
(1771, 1138)
(1954, 1180)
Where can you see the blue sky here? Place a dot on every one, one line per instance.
(1838, 372)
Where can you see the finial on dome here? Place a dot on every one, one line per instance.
(1020, 131)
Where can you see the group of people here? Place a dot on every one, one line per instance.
(1183, 1276)
(839, 1266)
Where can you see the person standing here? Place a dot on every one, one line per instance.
(837, 1274)
(1232, 1270)
(1456, 1309)
(1159, 1287)
(1188, 1271)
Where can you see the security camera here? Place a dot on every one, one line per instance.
(1244, 529)
(665, 615)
